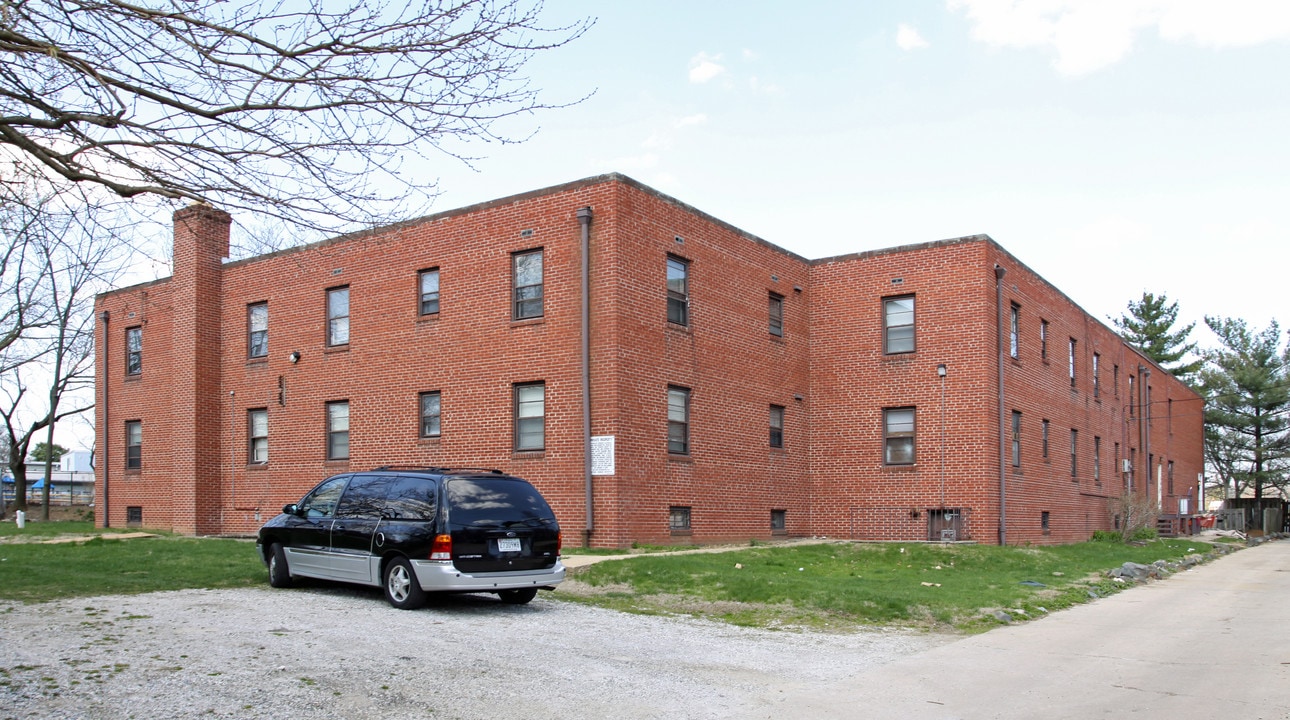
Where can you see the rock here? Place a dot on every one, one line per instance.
(1002, 616)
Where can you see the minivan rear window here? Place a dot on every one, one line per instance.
(496, 502)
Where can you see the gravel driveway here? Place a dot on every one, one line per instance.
(336, 652)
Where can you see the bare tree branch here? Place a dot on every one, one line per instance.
(298, 110)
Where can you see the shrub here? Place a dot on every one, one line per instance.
(1145, 533)
(1107, 536)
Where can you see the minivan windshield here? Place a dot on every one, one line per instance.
(496, 502)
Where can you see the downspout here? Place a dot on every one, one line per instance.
(584, 219)
(107, 424)
(1146, 438)
(999, 272)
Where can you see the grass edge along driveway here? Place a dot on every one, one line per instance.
(840, 585)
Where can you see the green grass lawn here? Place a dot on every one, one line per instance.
(829, 585)
(932, 586)
(36, 572)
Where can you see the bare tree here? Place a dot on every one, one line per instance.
(53, 347)
(302, 110)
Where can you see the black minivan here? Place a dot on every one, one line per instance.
(415, 531)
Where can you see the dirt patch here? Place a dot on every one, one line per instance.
(57, 513)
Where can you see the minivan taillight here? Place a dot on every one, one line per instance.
(442, 548)
(559, 543)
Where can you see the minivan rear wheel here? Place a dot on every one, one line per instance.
(517, 597)
(401, 586)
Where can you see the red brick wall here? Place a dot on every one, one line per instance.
(828, 371)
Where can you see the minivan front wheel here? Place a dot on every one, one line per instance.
(517, 597)
(279, 573)
(401, 586)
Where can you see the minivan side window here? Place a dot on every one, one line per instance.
(365, 497)
(412, 498)
(321, 502)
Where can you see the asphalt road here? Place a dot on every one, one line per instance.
(1213, 642)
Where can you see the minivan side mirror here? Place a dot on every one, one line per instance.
(291, 509)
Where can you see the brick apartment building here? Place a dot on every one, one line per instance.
(661, 375)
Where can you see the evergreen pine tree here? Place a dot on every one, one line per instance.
(1148, 326)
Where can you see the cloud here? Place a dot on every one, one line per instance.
(1089, 35)
(689, 120)
(907, 38)
(704, 67)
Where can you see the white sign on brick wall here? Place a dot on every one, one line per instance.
(602, 454)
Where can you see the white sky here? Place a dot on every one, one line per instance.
(1114, 146)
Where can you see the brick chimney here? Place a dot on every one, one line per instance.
(201, 241)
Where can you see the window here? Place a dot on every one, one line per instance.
(678, 518)
(338, 430)
(133, 350)
(1044, 424)
(777, 314)
(1013, 330)
(1115, 380)
(1016, 438)
(526, 281)
(1043, 522)
(777, 426)
(1133, 466)
(1116, 460)
(898, 436)
(338, 316)
(429, 292)
(1169, 415)
(678, 420)
(1130, 396)
(1043, 340)
(429, 414)
(678, 290)
(778, 522)
(898, 324)
(1097, 387)
(133, 444)
(1169, 475)
(134, 515)
(1074, 447)
(1097, 459)
(364, 497)
(530, 416)
(257, 330)
(1071, 364)
(257, 433)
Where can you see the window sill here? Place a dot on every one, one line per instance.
(427, 317)
(777, 339)
(901, 468)
(259, 362)
(257, 467)
(678, 457)
(336, 349)
(132, 472)
(682, 533)
(432, 441)
(529, 454)
(339, 463)
(687, 329)
(525, 322)
(134, 377)
(779, 533)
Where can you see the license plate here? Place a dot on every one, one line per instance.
(508, 545)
